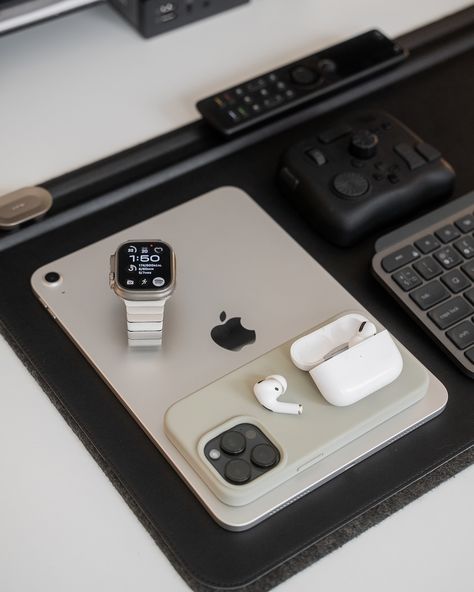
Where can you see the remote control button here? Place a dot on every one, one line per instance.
(255, 85)
(364, 144)
(233, 116)
(462, 335)
(317, 156)
(304, 75)
(465, 224)
(408, 154)
(465, 246)
(427, 244)
(237, 471)
(470, 354)
(450, 312)
(399, 258)
(350, 185)
(273, 101)
(447, 233)
(448, 257)
(407, 279)
(470, 295)
(333, 134)
(233, 442)
(327, 66)
(469, 269)
(429, 295)
(455, 280)
(428, 268)
(428, 152)
(264, 456)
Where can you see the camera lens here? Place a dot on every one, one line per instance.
(52, 277)
(237, 471)
(264, 456)
(233, 442)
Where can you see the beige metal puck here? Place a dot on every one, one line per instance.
(23, 205)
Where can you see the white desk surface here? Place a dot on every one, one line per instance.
(83, 87)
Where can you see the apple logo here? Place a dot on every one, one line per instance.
(231, 334)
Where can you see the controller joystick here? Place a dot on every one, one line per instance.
(364, 144)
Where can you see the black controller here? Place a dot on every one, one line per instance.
(361, 174)
(310, 78)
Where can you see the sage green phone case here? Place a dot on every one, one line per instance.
(302, 440)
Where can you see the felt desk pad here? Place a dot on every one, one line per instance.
(437, 105)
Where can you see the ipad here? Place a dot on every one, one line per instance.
(237, 269)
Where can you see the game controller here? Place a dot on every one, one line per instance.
(362, 173)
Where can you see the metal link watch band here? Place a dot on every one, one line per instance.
(145, 322)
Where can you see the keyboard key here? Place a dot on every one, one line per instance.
(455, 280)
(427, 244)
(465, 246)
(448, 257)
(399, 258)
(407, 279)
(465, 224)
(470, 295)
(470, 354)
(429, 295)
(462, 335)
(447, 233)
(469, 269)
(408, 154)
(428, 268)
(450, 312)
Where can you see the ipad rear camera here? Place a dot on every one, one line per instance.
(52, 277)
(242, 454)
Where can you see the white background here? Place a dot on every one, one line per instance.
(81, 88)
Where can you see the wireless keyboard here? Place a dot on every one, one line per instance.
(428, 266)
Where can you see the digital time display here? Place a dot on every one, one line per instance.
(144, 265)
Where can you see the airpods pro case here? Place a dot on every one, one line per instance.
(345, 375)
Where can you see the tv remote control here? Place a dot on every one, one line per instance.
(300, 82)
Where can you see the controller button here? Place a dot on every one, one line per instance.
(304, 75)
(393, 178)
(289, 179)
(333, 134)
(350, 184)
(412, 158)
(317, 156)
(364, 144)
(428, 152)
(358, 164)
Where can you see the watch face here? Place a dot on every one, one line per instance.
(144, 266)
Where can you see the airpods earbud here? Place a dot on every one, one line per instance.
(267, 392)
(366, 329)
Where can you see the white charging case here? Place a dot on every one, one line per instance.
(353, 373)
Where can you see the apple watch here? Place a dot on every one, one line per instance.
(143, 275)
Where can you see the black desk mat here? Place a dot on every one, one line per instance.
(437, 104)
